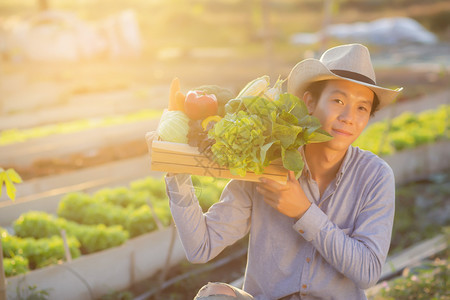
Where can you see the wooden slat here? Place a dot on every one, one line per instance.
(161, 146)
(201, 160)
(413, 255)
(409, 257)
(182, 158)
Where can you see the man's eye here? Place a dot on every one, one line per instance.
(338, 101)
(363, 108)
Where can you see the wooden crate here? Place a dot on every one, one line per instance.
(182, 158)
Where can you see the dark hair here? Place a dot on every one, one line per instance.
(316, 88)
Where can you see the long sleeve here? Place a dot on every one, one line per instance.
(359, 252)
(204, 236)
(334, 251)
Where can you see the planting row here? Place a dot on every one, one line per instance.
(94, 222)
(111, 216)
(11, 136)
(406, 131)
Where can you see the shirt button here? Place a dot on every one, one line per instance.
(308, 259)
(304, 286)
(301, 231)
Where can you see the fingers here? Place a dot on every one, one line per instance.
(272, 185)
(291, 176)
(266, 192)
(149, 137)
(269, 197)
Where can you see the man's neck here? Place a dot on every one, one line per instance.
(323, 162)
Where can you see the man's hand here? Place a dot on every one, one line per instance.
(149, 137)
(289, 199)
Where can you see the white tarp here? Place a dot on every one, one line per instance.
(61, 36)
(385, 31)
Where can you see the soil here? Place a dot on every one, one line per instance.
(76, 161)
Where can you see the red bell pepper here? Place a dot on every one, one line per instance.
(199, 105)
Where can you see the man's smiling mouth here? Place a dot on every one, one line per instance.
(342, 132)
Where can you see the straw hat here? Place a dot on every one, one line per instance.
(349, 62)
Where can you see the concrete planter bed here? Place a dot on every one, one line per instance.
(117, 171)
(419, 163)
(34, 107)
(44, 193)
(91, 276)
(58, 145)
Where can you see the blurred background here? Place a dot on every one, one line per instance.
(82, 81)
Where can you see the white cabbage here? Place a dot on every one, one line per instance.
(174, 127)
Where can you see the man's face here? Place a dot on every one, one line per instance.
(343, 110)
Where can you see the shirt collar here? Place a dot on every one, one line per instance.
(306, 171)
(345, 164)
(342, 169)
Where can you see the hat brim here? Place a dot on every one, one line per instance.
(311, 70)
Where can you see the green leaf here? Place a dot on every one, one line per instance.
(2, 179)
(264, 150)
(293, 105)
(258, 105)
(292, 159)
(312, 123)
(319, 136)
(288, 118)
(300, 141)
(238, 140)
(10, 189)
(299, 110)
(286, 134)
(286, 102)
(13, 176)
(273, 152)
(232, 106)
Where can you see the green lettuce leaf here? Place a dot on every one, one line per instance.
(292, 159)
(255, 131)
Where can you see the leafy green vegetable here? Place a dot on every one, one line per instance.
(238, 137)
(406, 131)
(255, 131)
(174, 126)
(37, 240)
(15, 265)
(92, 238)
(31, 253)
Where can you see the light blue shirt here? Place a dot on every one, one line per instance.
(334, 251)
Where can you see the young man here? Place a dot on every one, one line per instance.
(323, 236)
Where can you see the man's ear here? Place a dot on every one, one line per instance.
(309, 101)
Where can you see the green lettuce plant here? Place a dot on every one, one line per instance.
(255, 131)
